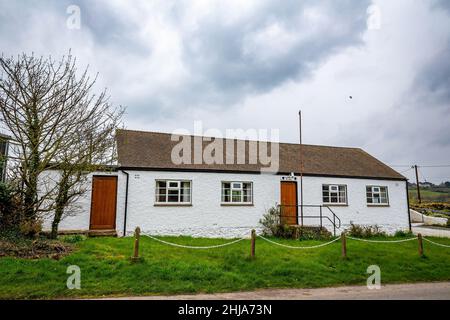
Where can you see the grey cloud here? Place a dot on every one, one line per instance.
(216, 52)
(110, 28)
(441, 4)
(224, 61)
(434, 80)
(416, 129)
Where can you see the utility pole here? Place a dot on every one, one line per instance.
(417, 182)
(301, 168)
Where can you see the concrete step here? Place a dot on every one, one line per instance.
(102, 233)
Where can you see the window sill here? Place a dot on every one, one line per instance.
(377, 205)
(236, 204)
(335, 204)
(172, 205)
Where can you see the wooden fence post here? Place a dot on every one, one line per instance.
(344, 245)
(137, 236)
(253, 243)
(419, 239)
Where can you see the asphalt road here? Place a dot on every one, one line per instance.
(417, 291)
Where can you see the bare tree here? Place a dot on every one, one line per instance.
(56, 122)
(92, 149)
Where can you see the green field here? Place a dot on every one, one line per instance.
(107, 270)
(443, 195)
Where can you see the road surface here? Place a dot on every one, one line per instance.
(417, 291)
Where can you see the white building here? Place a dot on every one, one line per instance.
(342, 185)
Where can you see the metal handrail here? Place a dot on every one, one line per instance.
(336, 222)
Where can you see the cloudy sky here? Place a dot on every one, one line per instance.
(254, 64)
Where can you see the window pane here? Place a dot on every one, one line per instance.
(226, 195)
(173, 195)
(226, 192)
(247, 192)
(174, 184)
(173, 191)
(334, 193)
(237, 185)
(185, 195)
(161, 196)
(161, 191)
(161, 184)
(236, 196)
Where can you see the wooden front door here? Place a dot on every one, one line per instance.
(288, 207)
(103, 203)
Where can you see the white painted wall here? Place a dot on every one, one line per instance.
(78, 215)
(206, 217)
(390, 218)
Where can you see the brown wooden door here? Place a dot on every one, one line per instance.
(103, 203)
(289, 202)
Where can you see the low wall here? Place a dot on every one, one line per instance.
(417, 217)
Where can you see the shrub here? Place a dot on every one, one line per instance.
(272, 226)
(448, 223)
(270, 221)
(360, 231)
(313, 233)
(285, 231)
(301, 233)
(9, 208)
(30, 228)
(403, 234)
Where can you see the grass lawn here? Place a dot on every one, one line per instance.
(107, 270)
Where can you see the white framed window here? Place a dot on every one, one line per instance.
(377, 195)
(173, 192)
(334, 194)
(236, 192)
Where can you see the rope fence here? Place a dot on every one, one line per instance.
(343, 238)
(437, 244)
(381, 241)
(298, 247)
(196, 247)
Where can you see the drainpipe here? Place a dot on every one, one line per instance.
(407, 199)
(126, 204)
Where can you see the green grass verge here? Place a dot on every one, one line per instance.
(106, 268)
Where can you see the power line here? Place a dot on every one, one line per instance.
(423, 166)
(392, 165)
(406, 170)
(437, 166)
(423, 176)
